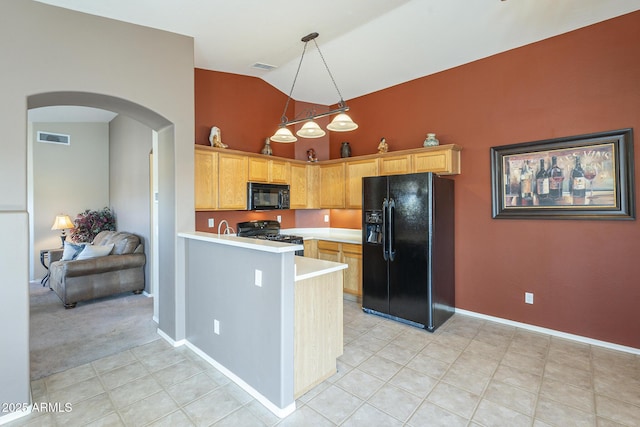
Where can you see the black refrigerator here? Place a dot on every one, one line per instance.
(408, 248)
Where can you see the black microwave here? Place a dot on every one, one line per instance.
(262, 196)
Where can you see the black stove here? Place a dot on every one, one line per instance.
(267, 230)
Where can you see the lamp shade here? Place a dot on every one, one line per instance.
(342, 123)
(283, 135)
(310, 130)
(61, 222)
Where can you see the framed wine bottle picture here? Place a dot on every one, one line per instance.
(576, 177)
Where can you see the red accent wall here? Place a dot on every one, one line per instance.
(584, 274)
(246, 109)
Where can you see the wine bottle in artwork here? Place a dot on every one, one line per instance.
(578, 183)
(556, 178)
(526, 185)
(542, 184)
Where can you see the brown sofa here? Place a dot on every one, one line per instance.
(122, 270)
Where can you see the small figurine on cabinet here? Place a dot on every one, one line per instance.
(383, 147)
(311, 155)
(267, 150)
(215, 138)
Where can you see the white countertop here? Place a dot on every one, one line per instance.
(312, 267)
(242, 242)
(342, 235)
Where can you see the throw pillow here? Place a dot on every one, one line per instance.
(71, 251)
(91, 251)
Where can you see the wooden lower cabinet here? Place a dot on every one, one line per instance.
(352, 256)
(346, 253)
(329, 251)
(311, 248)
(318, 338)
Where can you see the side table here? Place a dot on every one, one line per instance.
(47, 256)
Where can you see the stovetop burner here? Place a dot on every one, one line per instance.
(267, 230)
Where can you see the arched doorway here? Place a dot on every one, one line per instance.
(164, 197)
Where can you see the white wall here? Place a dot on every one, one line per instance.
(67, 179)
(130, 185)
(53, 56)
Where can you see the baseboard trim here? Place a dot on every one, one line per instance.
(16, 415)
(277, 411)
(551, 332)
(170, 340)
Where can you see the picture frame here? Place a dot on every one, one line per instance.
(576, 177)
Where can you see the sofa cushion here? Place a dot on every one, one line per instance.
(92, 251)
(123, 242)
(71, 251)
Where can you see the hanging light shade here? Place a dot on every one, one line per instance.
(342, 123)
(310, 130)
(283, 135)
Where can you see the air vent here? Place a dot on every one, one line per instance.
(261, 66)
(54, 138)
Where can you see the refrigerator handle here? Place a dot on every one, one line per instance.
(385, 252)
(392, 209)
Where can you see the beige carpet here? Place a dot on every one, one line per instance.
(61, 339)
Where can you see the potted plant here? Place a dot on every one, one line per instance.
(90, 222)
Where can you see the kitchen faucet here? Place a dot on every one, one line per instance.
(227, 229)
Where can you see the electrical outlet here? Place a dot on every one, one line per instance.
(258, 278)
(279, 218)
(216, 327)
(211, 222)
(528, 297)
(326, 218)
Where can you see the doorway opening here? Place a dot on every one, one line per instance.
(161, 216)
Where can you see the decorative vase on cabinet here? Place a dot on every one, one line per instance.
(345, 150)
(431, 140)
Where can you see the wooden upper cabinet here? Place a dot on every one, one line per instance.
(394, 165)
(313, 186)
(355, 171)
(443, 162)
(233, 174)
(298, 187)
(266, 170)
(332, 185)
(221, 175)
(279, 171)
(206, 179)
(258, 169)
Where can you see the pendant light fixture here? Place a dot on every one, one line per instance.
(341, 123)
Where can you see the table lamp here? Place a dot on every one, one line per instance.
(62, 222)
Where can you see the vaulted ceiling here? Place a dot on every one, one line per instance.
(368, 44)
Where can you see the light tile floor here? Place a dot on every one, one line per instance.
(470, 372)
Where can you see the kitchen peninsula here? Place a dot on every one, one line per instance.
(270, 320)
